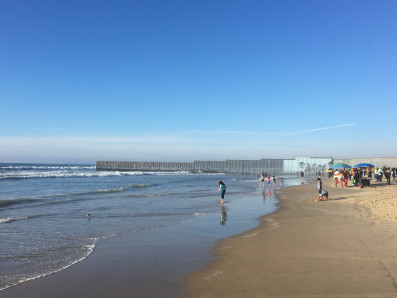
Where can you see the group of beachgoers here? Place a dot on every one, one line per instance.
(362, 177)
(263, 177)
(358, 177)
(385, 172)
(269, 179)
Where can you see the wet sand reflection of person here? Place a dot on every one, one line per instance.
(223, 215)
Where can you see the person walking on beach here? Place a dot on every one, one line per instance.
(387, 175)
(380, 175)
(319, 185)
(222, 189)
(268, 180)
(274, 181)
(345, 178)
(356, 178)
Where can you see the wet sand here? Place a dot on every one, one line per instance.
(343, 247)
(151, 263)
(120, 267)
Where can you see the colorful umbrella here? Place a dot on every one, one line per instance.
(364, 165)
(340, 166)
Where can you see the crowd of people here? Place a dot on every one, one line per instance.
(361, 177)
(385, 172)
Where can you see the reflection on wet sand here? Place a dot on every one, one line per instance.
(223, 215)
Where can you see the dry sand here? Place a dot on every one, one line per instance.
(343, 247)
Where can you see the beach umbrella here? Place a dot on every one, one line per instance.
(340, 166)
(364, 165)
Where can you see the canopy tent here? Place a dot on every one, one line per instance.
(364, 166)
(340, 166)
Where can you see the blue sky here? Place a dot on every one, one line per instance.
(194, 80)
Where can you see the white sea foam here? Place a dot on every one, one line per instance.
(11, 219)
(80, 174)
(45, 167)
(62, 174)
(89, 249)
(200, 213)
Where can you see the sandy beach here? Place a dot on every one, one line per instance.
(343, 247)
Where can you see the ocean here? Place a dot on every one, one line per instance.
(53, 216)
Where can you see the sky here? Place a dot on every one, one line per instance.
(170, 80)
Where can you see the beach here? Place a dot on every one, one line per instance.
(343, 247)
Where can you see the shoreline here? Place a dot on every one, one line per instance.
(260, 262)
(344, 247)
(150, 263)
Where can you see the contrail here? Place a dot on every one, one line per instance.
(239, 132)
(324, 128)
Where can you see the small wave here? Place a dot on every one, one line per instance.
(121, 188)
(11, 219)
(6, 203)
(89, 249)
(46, 167)
(59, 198)
(78, 172)
(167, 173)
(155, 195)
(62, 174)
(199, 213)
(187, 214)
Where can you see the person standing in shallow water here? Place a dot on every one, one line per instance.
(222, 189)
(262, 183)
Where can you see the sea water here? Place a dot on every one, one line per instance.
(52, 216)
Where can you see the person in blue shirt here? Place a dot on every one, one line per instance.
(323, 196)
(222, 189)
(319, 185)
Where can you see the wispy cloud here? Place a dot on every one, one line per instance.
(267, 133)
(182, 146)
(322, 128)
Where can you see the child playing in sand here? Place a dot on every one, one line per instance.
(323, 196)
